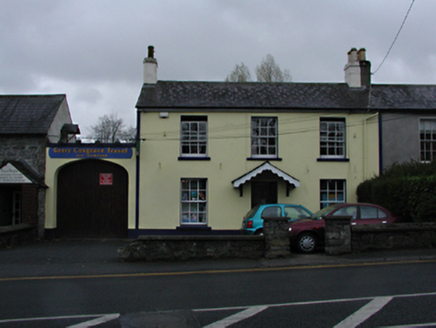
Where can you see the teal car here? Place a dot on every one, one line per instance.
(252, 223)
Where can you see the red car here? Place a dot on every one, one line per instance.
(307, 234)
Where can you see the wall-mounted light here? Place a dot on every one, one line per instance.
(164, 114)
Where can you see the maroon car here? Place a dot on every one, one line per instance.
(307, 234)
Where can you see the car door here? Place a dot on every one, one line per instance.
(372, 215)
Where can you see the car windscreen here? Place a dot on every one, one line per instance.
(296, 213)
(322, 212)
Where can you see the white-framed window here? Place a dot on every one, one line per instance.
(427, 140)
(332, 192)
(332, 137)
(264, 137)
(193, 201)
(193, 136)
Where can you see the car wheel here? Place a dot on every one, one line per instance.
(259, 232)
(307, 242)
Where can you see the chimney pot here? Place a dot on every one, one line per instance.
(361, 54)
(150, 52)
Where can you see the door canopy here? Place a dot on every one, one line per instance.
(237, 183)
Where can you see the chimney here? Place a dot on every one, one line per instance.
(358, 69)
(150, 67)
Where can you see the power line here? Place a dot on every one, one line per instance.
(396, 37)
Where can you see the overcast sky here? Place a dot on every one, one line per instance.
(92, 50)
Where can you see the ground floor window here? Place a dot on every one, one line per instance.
(193, 201)
(332, 192)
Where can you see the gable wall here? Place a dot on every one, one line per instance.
(62, 117)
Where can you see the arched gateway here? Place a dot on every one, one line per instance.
(92, 200)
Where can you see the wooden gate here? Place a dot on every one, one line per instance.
(92, 200)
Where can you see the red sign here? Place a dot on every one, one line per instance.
(105, 179)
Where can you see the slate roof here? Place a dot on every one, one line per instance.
(28, 114)
(179, 96)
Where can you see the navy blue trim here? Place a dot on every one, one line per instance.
(181, 158)
(135, 233)
(332, 159)
(264, 159)
(380, 143)
(193, 228)
(138, 153)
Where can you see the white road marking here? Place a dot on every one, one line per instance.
(96, 322)
(251, 311)
(64, 317)
(364, 313)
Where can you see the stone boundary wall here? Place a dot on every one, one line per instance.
(274, 244)
(152, 248)
(393, 236)
(17, 235)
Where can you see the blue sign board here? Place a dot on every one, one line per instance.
(90, 152)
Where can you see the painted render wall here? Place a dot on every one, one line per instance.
(229, 148)
(400, 137)
(53, 167)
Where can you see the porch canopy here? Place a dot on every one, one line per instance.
(267, 166)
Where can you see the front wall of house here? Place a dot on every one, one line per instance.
(55, 165)
(228, 146)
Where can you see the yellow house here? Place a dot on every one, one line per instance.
(210, 151)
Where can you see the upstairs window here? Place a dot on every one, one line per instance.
(332, 137)
(332, 192)
(264, 137)
(427, 140)
(193, 138)
(194, 201)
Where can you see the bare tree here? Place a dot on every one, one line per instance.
(269, 71)
(240, 73)
(110, 129)
(128, 134)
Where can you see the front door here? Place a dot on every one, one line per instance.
(263, 192)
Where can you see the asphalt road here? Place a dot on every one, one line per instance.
(68, 283)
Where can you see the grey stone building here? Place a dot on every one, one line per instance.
(27, 124)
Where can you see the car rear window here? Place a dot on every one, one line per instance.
(251, 212)
(369, 212)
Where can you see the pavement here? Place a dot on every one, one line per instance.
(72, 258)
(99, 257)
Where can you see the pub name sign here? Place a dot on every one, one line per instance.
(90, 152)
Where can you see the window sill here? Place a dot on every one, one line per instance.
(332, 159)
(264, 159)
(183, 158)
